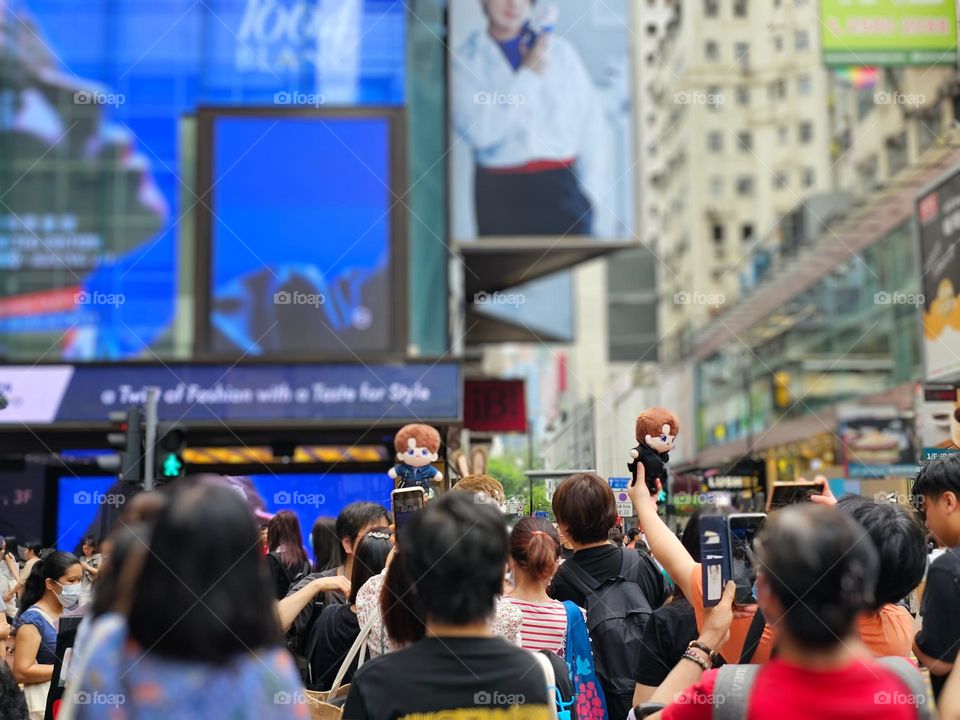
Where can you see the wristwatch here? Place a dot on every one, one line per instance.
(711, 654)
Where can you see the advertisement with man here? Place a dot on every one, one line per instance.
(541, 119)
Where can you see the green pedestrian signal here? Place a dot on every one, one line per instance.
(172, 466)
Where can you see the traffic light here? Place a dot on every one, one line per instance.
(168, 453)
(128, 436)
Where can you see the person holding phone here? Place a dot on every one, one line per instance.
(524, 103)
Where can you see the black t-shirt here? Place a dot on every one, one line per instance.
(282, 576)
(311, 611)
(665, 638)
(940, 636)
(330, 640)
(605, 561)
(481, 677)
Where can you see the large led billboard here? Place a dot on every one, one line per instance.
(889, 32)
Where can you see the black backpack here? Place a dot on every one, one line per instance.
(617, 611)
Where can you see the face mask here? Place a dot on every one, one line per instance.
(69, 595)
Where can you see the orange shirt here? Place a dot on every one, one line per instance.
(888, 631)
(732, 648)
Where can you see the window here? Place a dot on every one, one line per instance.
(746, 232)
(782, 134)
(779, 180)
(806, 131)
(777, 90)
(716, 231)
(745, 185)
(740, 8)
(896, 152)
(716, 186)
(809, 177)
(651, 30)
(745, 141)
(714, 98)
(930, 126)
(715, 141)
(743, 95)
(711, 8)
(778, 43)
(741, 51)
(712, 50)
(804, 85)
(801, 40)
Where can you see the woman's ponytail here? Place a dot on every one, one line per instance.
(53, 567)
(33, 588)
(535, 547)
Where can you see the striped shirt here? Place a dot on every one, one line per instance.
(544, 625)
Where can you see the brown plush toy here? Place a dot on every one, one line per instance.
(656, 432)
(417, 446)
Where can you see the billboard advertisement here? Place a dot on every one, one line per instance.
(937, 223)
(888, 32)
(877, 443)
(300, 244)
(541, 116)
(96, 166)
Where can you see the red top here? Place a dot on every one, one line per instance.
(786, 692)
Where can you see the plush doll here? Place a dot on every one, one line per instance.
(657, 430)
(417, 446)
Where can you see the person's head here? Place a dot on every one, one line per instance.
(449, 568)
(615, 536)
(29, 549)
(585, 509)
(204, 546)
(264, 535)
(370, 558)
(484, 485)
(284, 538)
(124, 551)
(900, 545)
(507, 16)
(327, 550)
(57, 577)
(89, 546)
(355, 520)
(937, 489)
(817, 573)
(633, 534)
(534, 549)
(417, 444)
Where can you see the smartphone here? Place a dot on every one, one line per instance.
(790, 493)
(714, 557)
(405, 502)
(743, 529)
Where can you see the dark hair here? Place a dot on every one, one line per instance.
(53, 567)
(615, 536)
(355, 516)
(369, 559)
(404, 616)
(204, 592)
(327, 549)
(899, 540)
(633, 534)
(284, 539)
(13, 703)
(821, 567)
(90, 541)
(585, 506)
(33, 545)
(123, 541)
(938, 476)
(453, 556)
(535, 547)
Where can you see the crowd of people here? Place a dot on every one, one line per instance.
(189, 608)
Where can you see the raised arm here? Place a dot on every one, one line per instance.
(290, 607)
(665, 546)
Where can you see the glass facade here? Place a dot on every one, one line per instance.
(854, 333)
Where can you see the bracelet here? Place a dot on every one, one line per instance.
(690, 655)
(712, 654)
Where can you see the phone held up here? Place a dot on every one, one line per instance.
(404, 502)
(790, 493)
(726, 553)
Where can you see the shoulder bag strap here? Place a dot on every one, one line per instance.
(734, 683)
(580, 578)
(357, 650)
(550, 678)
(911, 677)
(754, 634)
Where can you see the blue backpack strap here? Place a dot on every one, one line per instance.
(578, 655)
(911, 677)
(734, 683)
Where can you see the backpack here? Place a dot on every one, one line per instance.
(734, 683)
(617, 611)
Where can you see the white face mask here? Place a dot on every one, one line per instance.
(69, 595)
